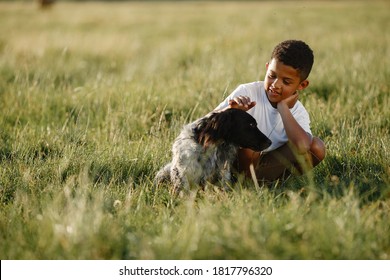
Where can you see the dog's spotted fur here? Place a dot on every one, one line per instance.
(206, 149)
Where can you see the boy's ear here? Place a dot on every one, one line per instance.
(304, 84)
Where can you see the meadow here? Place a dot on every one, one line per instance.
(93, 94)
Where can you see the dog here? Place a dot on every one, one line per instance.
(205, 150)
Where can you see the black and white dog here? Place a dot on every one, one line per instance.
(206, 149)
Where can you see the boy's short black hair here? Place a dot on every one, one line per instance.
(296, 54)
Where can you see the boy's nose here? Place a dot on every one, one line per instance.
(276, 83)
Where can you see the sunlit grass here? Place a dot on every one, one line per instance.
(93, 94)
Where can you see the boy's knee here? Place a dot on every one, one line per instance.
(318, 150)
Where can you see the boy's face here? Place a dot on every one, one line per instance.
(281, 81)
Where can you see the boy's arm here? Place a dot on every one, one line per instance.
(295, 133)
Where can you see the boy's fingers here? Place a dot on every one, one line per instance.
(243, 100)
(292, 100)
(238, 104)
(252, 104)
(233, 104)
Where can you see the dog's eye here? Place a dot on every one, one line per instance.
(253, 125)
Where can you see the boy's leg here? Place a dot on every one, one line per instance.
(280, 162)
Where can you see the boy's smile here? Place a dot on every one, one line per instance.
(281, 81)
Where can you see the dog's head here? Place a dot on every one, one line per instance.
(233, 126)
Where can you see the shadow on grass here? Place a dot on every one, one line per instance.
(336, 176)
(369, 179)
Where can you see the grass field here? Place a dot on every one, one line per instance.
(93, 94)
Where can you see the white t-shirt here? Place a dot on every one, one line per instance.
(268, 118)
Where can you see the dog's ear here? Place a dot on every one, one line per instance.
(215, 128)
(223, 125)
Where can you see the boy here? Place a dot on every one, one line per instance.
(279, 115)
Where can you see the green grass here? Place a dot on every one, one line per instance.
(93, 94)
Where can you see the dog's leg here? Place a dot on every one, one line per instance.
(226, 176)
(179, 179)
(163, 175)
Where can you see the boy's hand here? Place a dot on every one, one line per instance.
(242, 102)
(290, 101)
